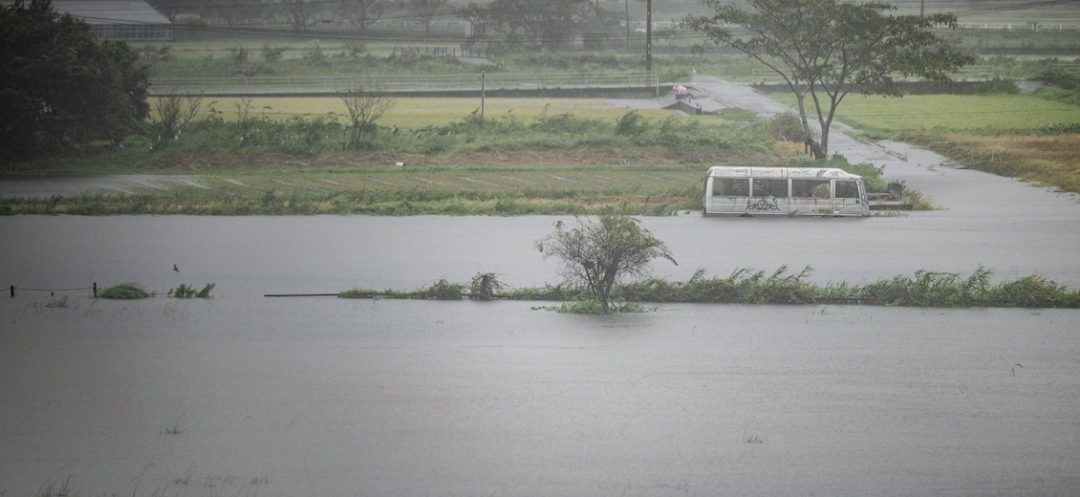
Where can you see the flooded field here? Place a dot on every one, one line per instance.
(245, 395)
(251, 256)
(338, 397)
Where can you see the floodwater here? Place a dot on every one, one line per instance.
(252, 256)
(324, 396)
(245, 395)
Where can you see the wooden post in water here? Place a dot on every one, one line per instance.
(95, 289)
(12, 291)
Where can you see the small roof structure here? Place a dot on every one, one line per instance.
(119, 19)
(111, 11)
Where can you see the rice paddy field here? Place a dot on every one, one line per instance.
(1022, 136)
(1010, 135)
(411, 113)
(1051, 160)
(975, 113)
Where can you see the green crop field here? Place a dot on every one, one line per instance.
(957, 112)
(412, 113)
(1024, 136)
(977, 113)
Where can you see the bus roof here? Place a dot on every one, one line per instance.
(780, 172)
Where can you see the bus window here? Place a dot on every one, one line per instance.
(847, 189)
(818, 188)
(730, 187)
(770, 187)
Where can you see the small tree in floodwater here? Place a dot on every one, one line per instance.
(598, 253)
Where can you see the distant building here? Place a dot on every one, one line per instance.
(130, 20)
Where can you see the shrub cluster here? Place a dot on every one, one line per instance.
(1062, 86)
(124, 291)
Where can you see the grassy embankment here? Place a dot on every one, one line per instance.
(744, 286)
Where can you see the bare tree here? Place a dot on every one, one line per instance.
(363, 13)
(298, 13)
(174, 113)
(478, 19)
(426, 11)
(364, 108)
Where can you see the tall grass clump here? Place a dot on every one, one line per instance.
(561, 292)
(124, 291)
(930, 289)
(185, 291)
(744, 286)
(1032, 291)
(440, 290)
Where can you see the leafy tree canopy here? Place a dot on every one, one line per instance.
(61, 88)
(826, 49)
(597, 254)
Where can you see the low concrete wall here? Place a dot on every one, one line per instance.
(684, 106)
(907, 88)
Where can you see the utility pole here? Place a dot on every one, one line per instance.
(922, 8)
(648, 36)
(628, 27)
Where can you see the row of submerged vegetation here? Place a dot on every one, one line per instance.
(133, 291)
(780, 287)
(597, 256)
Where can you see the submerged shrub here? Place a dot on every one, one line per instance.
(124, 291)
(185, 291)
(484, 286)
(443, 290)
